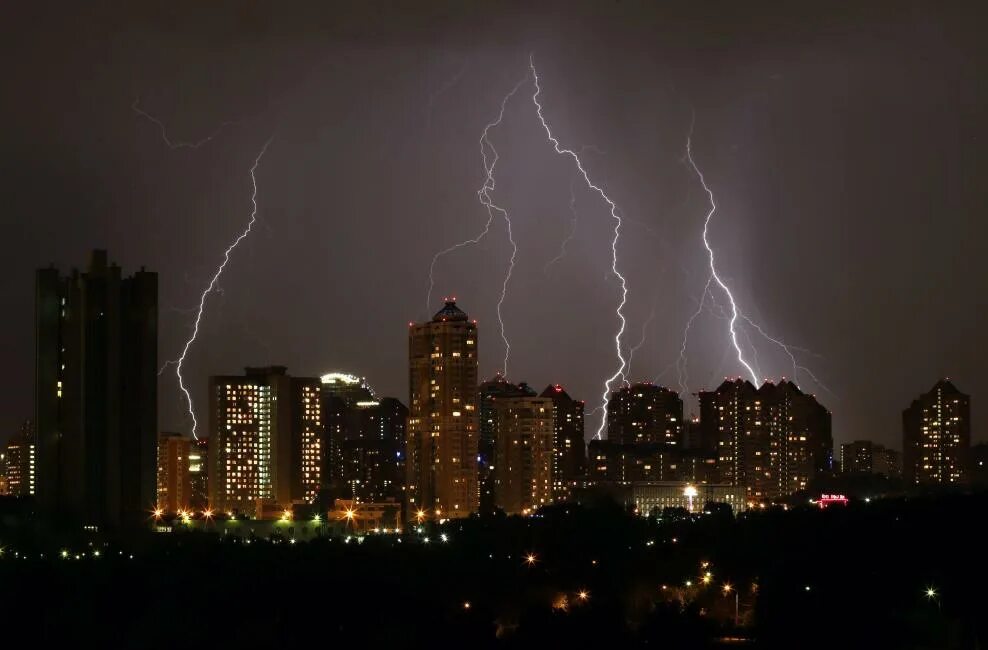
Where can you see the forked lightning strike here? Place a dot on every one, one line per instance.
(484, 196)
(615, 214)
(641, 341)
(212, 284)
(572, 227)
(735, 312)
(164, 131)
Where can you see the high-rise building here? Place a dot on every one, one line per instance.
(96, 383)
(771, 440)
(441, 463)
(174, 482)
(936, 437)
(569, 449)
(867, 457)
(20, 463)
(523, 456)
(644, 414)
(489, 392)
(612, 462)
(199, 474)
(365, 441)
(266, 439)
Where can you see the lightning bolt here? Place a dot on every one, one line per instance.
(641, 342)
(616, 215)
(735, 311)
(788, 349)
(484, 196)
(164, 131)
(732, 323)
(681, 362)
(572, 227)
(212, 284)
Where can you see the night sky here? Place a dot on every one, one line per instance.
(845, 147)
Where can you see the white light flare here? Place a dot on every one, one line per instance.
(212, 284)
(615, 214)
(484, 196)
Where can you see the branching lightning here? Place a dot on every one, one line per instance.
(212, 284)
(615, 214)
(637, 346)
(732, 324)
(572, 227)
(484, 196)
(736, 313)
(164, 131)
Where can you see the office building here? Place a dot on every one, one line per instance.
(96, 382)
(266, 433)
(443, 420)
(523, 453)
(936, 437)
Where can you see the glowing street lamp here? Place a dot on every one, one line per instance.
(583, 595)
(530, 559)
(727, 589)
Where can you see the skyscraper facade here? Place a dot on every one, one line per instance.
(866, 457)
(20, 463)
(936, 437)
(443, 419)
(771, 440)
(174, 482)
(266, 432)
(569, 455)
(644, 414)
(523, 457)
(366, 441)
(96, 367)
(199, 474)
(489, 392)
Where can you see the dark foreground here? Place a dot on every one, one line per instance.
(855, 577)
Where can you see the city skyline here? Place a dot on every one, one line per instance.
(365, 185)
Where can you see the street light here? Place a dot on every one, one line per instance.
(530, 559)
(727, 590)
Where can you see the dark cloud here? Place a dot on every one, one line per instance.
(844, 145)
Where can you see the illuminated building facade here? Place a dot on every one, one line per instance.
(199, 473)
(936, 437)
(366, 439)
(266, 432)
(866, 457)
(611, 462)
(441, 463)
(569, 449)
(96, 389)
(341, 394)
(20, 463)
(652, 497)
(645, 414)
(489, 392)
(174, 483)
(523, 456)
(771, 440)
